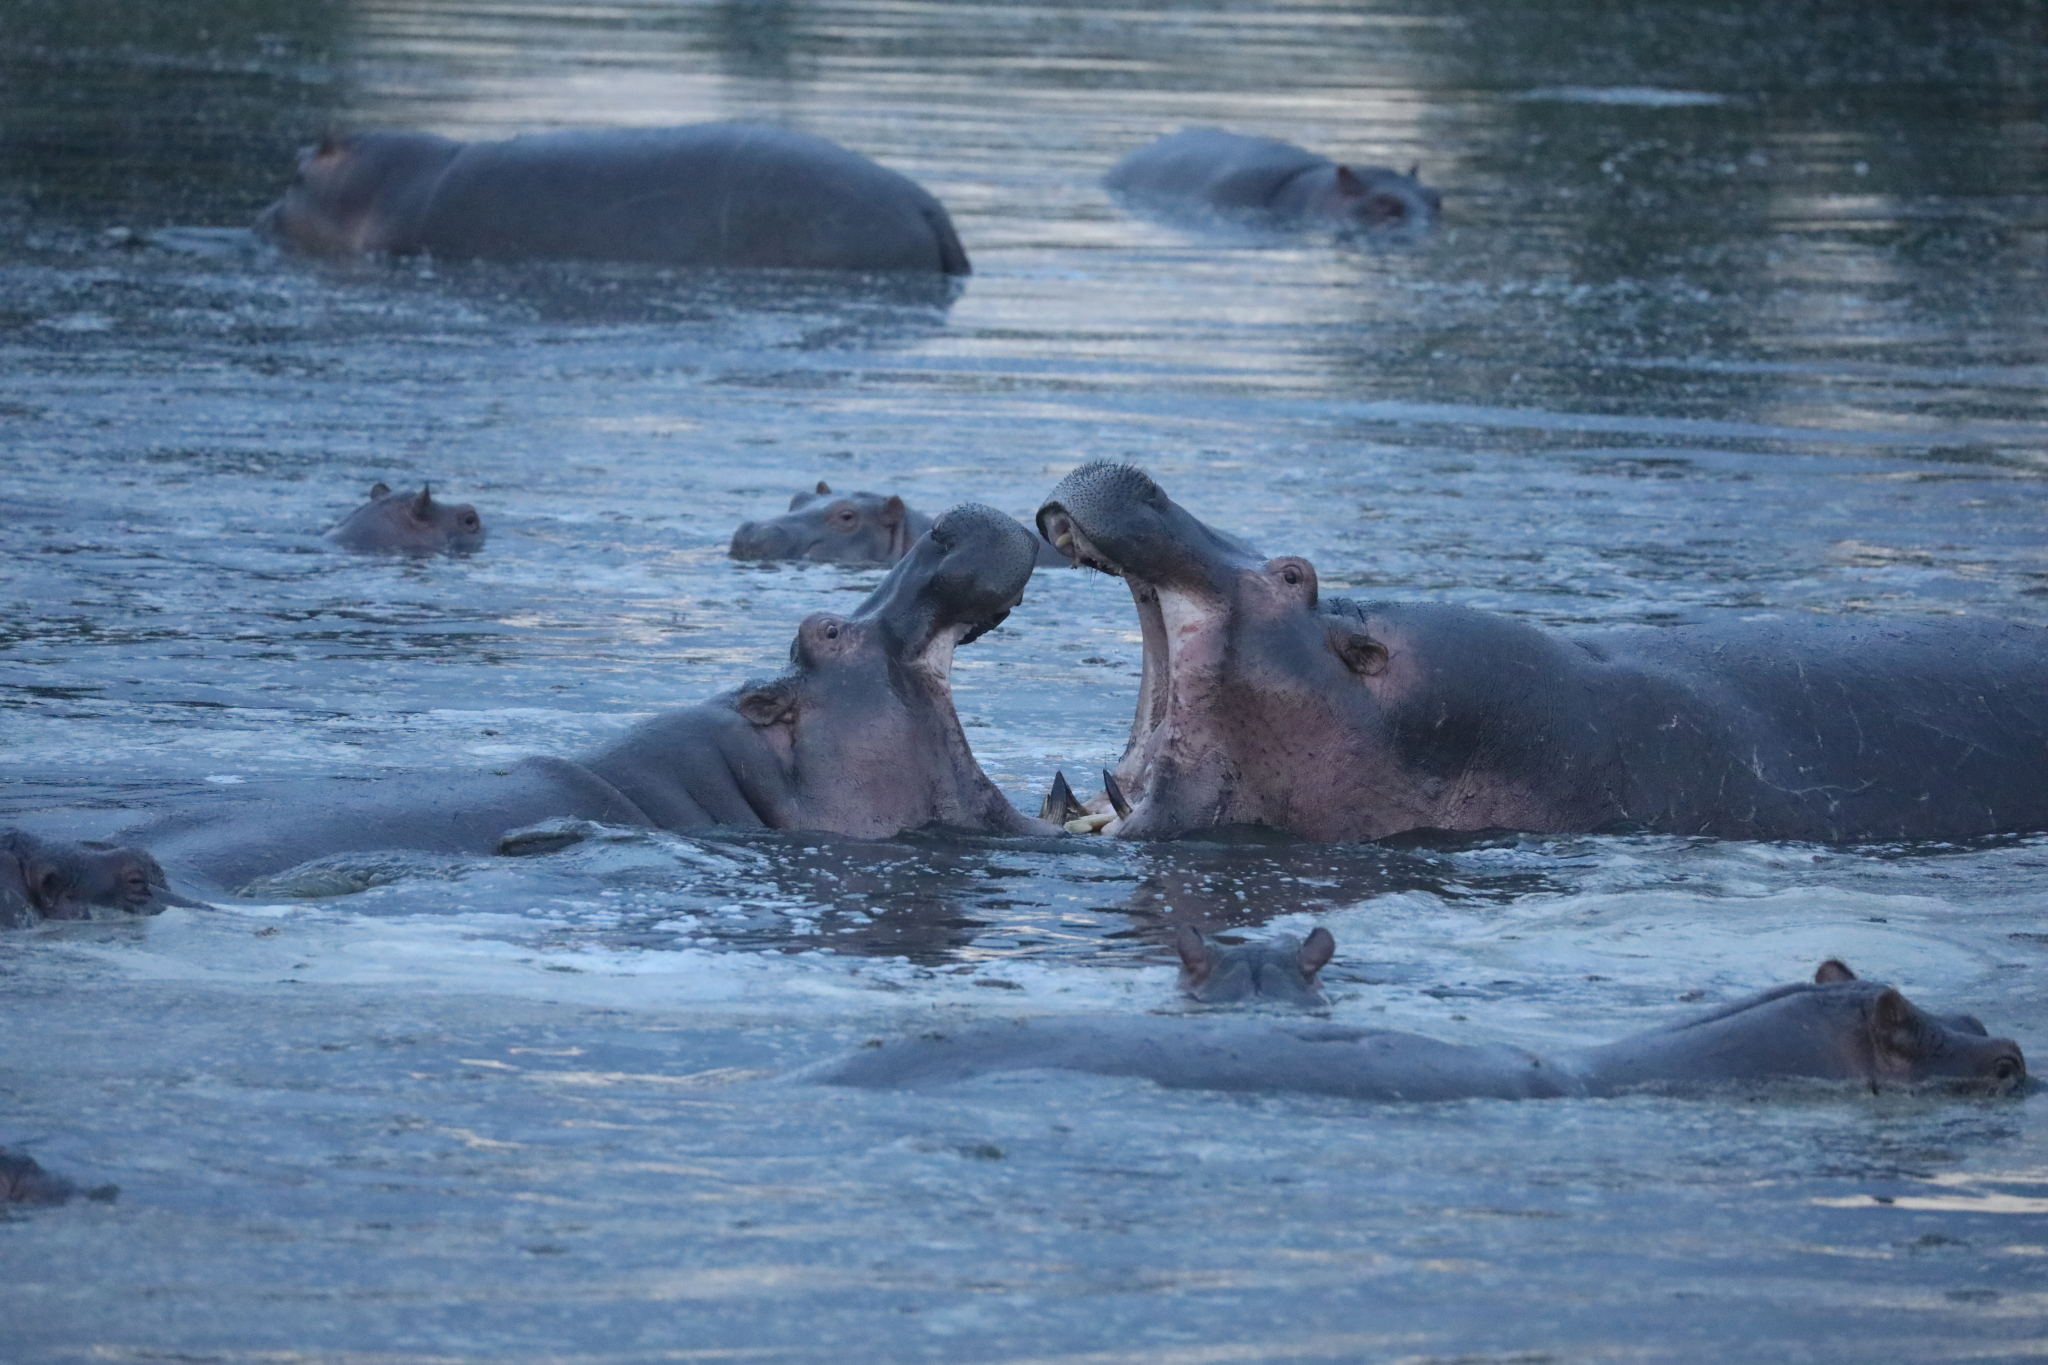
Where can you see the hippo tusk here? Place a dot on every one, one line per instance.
(1065, 543)
(1116, 795)
(1060, 805)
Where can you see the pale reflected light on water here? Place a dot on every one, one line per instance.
(1733, 310)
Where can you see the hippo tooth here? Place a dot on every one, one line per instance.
(1116, 795)
(1065, 541)
(1090, 824)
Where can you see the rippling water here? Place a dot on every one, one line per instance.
(1732, 311)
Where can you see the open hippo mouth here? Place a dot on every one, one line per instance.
(1188, 582)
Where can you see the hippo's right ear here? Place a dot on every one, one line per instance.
(765, 704)
(1831, 971)
(379, 489)
(1316, 951)
(1197, 957)
(823, 487)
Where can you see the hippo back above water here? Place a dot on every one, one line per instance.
(730, 195)
(1269, 182)
(409, 523)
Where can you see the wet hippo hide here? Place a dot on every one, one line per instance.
(1267, 181)
(1834, 1029)
(731, 195)
(1265, 702)
(857, 737)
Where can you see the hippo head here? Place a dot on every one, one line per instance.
(410, 523)
(1259, 703)
(360, 193)
(863, 723)
(47, 879)
(1375, 197)
(832, 528)
(1282, 972)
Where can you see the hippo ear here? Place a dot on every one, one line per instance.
(766, 704)
(897, 518)
(379, 489)
(892, 511)
(1348, 181)
(1197, 958)
(823, 488)
(1831, 971)
(1316, 951)
(1415, 171)
(1895, 1033)
(423, 505)
(1361, 653)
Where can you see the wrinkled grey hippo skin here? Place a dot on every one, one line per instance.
(1279, 972)
(858, 736)
(1269, 182)
(1264, 703)
(1835, 1028)
(732, 195)
(54, 879)
(409, 523)
(843, 528)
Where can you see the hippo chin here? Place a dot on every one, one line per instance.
(1834, 1029)
(1270, 183)
(857, 737)
(1264, 703)
(730, 195)
(843, 528)
(409, 523)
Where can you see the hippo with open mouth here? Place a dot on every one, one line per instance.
(727, 195)
(1265, 703)
(1835, 1028)
(858, 736)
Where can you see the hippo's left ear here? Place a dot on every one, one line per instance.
(1895, 1033)
(1361, 653)
(1316, 951)
(423, 505)
(1831, 971)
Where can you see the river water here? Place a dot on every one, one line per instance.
(1735, 309)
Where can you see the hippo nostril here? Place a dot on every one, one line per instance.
(2008, 1069)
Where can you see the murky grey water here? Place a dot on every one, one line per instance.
(1732, 311)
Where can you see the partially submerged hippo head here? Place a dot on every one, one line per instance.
(410, 523)
(46, 879)
(1255, 705)
(834, 528)
(1836, 1027)
(1280, 972)
(1377, 197)
(863, 724)
(359, 193)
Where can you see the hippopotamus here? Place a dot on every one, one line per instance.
(1265, 703)
(410, 523)
(1268, 182)
(843, 528)
(1835, 1028)
(24, 1181)
(732, 195)
(858, 737)
(46, 879)
(1279, 972)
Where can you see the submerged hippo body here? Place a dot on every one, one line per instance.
(1835, 1028)
(48, 879)
(1263, 703)
(409, 523)
(1269, 182)
(842, 528)
(711, 194)
(857, 737)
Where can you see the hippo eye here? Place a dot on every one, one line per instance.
(1291, 576)
(832, 632)
(469, 522)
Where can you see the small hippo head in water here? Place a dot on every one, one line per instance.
(410, 523)
(1280, 972)
(359, 193)
(46, 879)
(833, 528)
(1368, 197)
